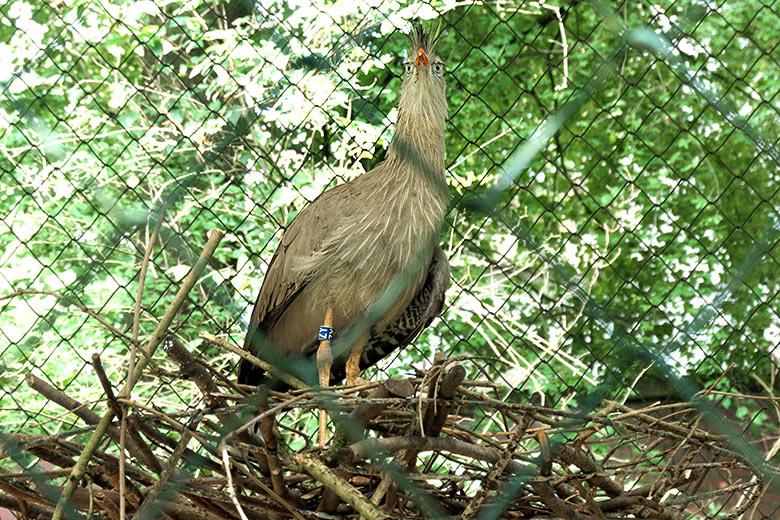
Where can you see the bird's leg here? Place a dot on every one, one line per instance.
(353, 362)
(324, 362)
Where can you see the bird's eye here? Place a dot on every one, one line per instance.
(437, 68)
(408, 69)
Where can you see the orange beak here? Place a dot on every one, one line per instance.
(421, 57)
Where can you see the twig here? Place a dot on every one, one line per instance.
(190, 369)
(127, 391)
(145, 509)
(231, 488)
(270, 492)
(84, 413)
(154, 341)
(497, 470)
(147, 455)
(564, 44)
(370, 408)
(106, 384)
(342, 488)
(366, 448)
(558, 506)
(705, 391)
(283, 376)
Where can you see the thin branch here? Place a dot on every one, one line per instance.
(230, 486)
(341, 487)
(281, 375)
(131, 356)
(154, 341)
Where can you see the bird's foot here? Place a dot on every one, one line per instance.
(356, 380)
(352, 369)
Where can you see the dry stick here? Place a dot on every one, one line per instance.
(669, 427)
(758, 492)
(705, 391)
(587, 465)
(83, 498)
(163, 439)
(365, 412)
(27, 510)
(366, 448)
(111, 472)
(32, 510)
(271, 411)
(127, 391)
(547, 492)
(712, 494)
(437, 411)
(116, 407)
(154, 341)
(691, 454)
(170, 466)
(386, 488)
(244, 354)
(331, 480)
(97, 364)
(57, 451)
(497, 470)
(22, 494)
(231, 488)
(441, 389)
(432, 377)
(85, 414)
(587, 496)
(275, 466)
(218, 376)
(264, 458)
(558, 506)
(192, 370)
(626, 501)
(259, 483)
(361, 415)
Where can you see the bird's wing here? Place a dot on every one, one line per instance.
(283, 283)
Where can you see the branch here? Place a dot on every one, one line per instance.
(281, 375)
(341, 487)
(368, 448)
(154, 341)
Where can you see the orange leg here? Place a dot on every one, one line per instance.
(324, 362)
(353, 362)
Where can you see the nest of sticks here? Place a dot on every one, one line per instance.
(428, 447)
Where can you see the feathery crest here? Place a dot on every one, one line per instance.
(418, 37)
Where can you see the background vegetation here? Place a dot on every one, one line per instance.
(641, 239)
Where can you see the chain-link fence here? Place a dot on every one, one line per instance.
(613, 225)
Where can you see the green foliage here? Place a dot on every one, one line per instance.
(648, 199)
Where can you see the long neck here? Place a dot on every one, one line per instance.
(417, 150)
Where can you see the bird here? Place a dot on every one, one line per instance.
(351, 244)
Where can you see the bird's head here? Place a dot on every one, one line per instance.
(423, 91)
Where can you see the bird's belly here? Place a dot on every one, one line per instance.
(354, 292)
(360, 268)
(382, 280)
